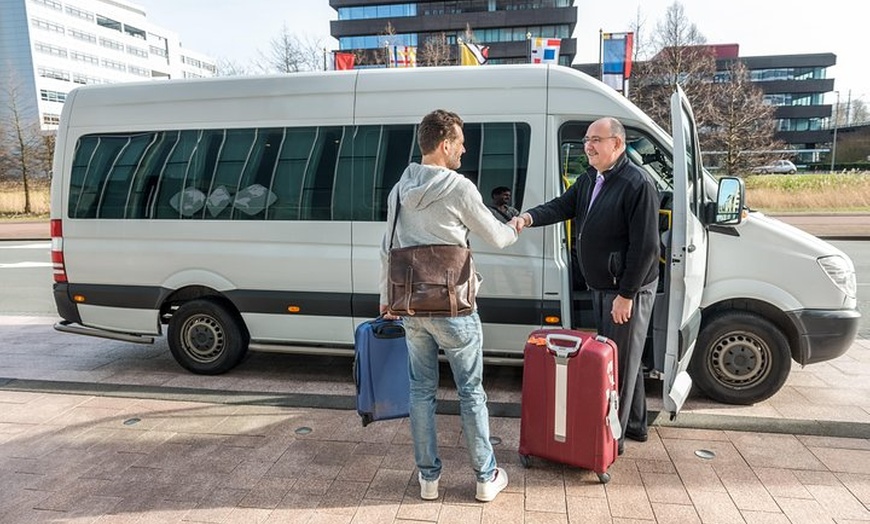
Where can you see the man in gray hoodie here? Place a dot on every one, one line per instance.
(440, 206)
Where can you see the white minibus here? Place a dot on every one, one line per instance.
(246, 213)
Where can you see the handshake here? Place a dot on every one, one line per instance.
(520, 222)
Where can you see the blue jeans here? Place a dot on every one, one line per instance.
(461, 339)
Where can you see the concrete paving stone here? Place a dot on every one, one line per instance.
(774, 450)
(690, 433)
(665, 488)
(628, 501)
(824, 412)
(715, 507)
(374, 512)
(803, 511)
(320, 517)
(761, 517)
(545, 491)
(781, 482)
(264, 493)
(675, 514)
(413, 508)
(507, 508)
(655, 466)
(834, 442)
(839, 502)
(389, 485)
(579, 483)
(588, 510)
(460, 514)
(858, 485)
(844, 460)
(625, 471)
(698, 476)
(537, 517)
(362, 467)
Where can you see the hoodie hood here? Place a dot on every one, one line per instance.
(422, 185)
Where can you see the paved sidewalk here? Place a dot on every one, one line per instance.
(100, 431)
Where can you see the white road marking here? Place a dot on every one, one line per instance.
(38, 245)
(25, 265)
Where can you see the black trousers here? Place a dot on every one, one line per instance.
(629, 338)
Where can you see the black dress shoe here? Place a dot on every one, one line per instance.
(639, 437)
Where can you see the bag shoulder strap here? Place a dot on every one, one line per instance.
(395, 219)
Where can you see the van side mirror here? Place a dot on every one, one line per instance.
(729, 201)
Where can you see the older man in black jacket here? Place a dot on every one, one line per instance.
(616, 210)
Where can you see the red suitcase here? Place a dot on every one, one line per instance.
(570, 400)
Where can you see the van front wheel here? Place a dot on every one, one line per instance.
(740, 358)
(206, 338)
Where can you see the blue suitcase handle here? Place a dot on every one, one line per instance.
(382, 328)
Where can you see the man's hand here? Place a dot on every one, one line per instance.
(384, 313)
(521, 221)
(621, 310)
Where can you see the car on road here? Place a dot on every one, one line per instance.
(777, 167)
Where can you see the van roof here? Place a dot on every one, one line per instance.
(327, 98)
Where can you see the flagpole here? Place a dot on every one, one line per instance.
(601, 55)
(529, 47)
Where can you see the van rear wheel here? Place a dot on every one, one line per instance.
(206, 338)
(740, 358)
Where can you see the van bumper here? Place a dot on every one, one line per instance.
(66, 308)
(824, 334)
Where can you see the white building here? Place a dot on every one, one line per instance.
(48, 47)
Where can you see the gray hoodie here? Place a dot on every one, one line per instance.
(438, 206)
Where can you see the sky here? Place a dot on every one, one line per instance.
(239, 30)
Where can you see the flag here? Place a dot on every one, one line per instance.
(545, 50)
(473, 54)
(343, 61)
(403, 56)
(616, 50)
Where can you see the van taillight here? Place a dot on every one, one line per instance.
(57, 250)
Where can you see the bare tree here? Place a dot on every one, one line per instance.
(435, 51)
(860, 112)
(744, 128)
(289, 53)
(227, 67)
(682, 59)
(27, 151)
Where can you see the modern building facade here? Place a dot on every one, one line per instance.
(794, 84)
(48, 47)
(366, 26)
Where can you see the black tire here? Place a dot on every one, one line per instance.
(740, 358)
(207, 338)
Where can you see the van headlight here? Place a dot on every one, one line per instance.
(841, 272)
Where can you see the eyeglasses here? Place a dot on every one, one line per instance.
(595, 139)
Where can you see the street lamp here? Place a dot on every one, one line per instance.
(834, 141)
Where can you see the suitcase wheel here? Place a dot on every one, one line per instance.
(604, 478)
(525, 460)
(366, 419)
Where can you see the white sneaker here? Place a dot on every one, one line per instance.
(486, 491)
(428, 488)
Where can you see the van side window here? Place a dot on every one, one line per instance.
(306, 173)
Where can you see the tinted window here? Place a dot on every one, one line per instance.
(310, 173)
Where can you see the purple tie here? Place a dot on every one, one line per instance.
(599, 181)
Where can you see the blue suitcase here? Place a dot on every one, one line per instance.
(380, 370)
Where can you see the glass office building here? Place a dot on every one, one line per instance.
(367, 26)
(48, 47)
